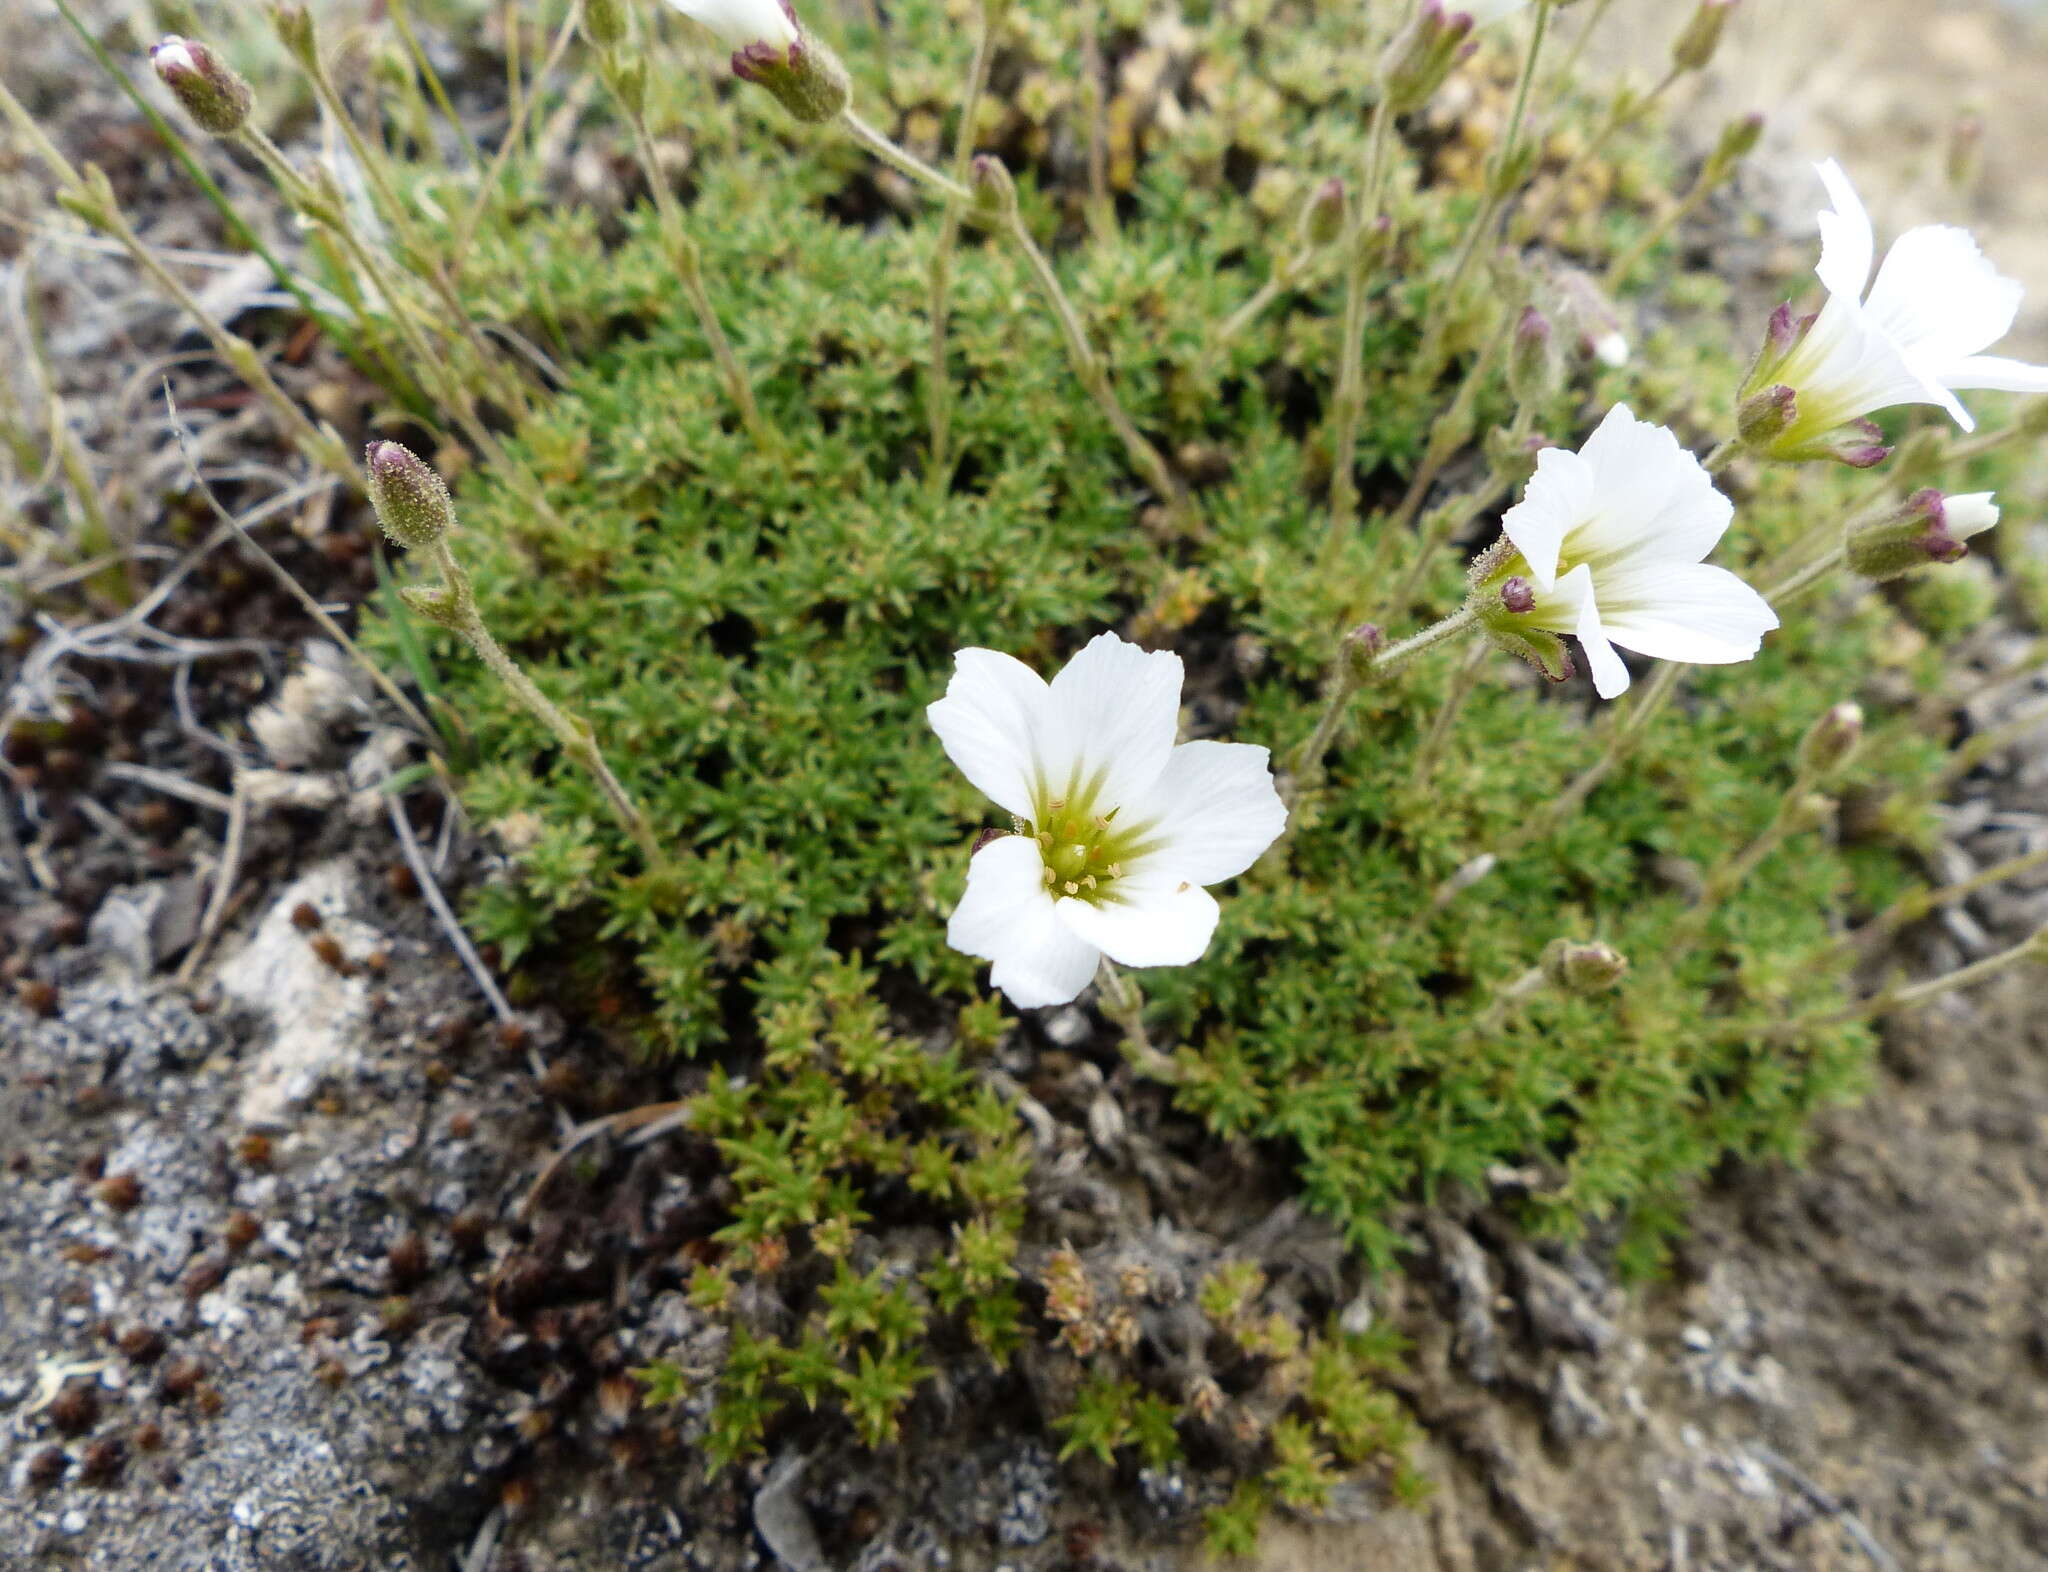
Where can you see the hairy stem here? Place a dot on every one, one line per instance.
(939, 385)
(573, 735)
(689, 260)
(1123, 1004)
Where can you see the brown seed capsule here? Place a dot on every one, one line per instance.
(180, 1377)
(513, 1036)
(253, 1151)
(401, 881)
(142, 1345)
(121, 1192)
(241, 1230)
(101, 1461)
(149, 1436)
(305, 917)
(75, 1409)
(469, 1228)
(203, 1276)
(48, 1466)
(461, 1124)
(37, 997)
(407, 1261)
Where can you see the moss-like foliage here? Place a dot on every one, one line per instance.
(755, 638)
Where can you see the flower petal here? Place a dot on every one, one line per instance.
(1558, 496)
(1570, 608)
(1651, 498)
(1939, 299)
(1848, 242)
(1847, 366)
(994, 723)
(1168, 923)
(1216, 810)
(1115, 709)
(1996, 374)
(1970, 514)
(738, 23)
(1691, 612)
(1007, 917)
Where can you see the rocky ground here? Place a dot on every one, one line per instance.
(273, 1293)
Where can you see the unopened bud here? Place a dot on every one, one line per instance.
(1518, 595)
(807, 79)
(605, 22)
(411, 501)
(1583, 968)
(1322, 216)
(1764, 417)
(985, 838)
(1361, 648)
(1738, 140)
(1832, 742)
(1532, 359)
(1926, 527)
(994, 190)
(1965, 160)
(1811, 811)
(444, 605)
(1422, 54)
(293, 24)
(216, 98)
(1695, 48)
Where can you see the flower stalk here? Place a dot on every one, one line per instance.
(1124, 1004)
(625, 80)
(415, 510)
(939, 279)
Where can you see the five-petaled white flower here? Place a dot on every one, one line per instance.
(1607, 545)
(744, 24)
(1917, 337)
(1117, 828)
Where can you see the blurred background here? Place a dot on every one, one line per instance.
(1938, 109)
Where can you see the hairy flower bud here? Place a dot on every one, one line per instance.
(1322, 215)
(1832, 742)
(1422, 54)
(1532, 358)
(1518, 595)
(293, 24)
(807, 79)
(1583, 969)
(1926, 527)
(994, 190)
(216, 98)
(605, 22)
(1765, 416)
(1695, 47)
(411, 501)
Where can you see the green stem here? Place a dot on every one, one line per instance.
(1896, 998)
(904, 161)
(1911, 908)
(575, 738)
(1123, 1004)
(1347, 404)
(1440, 727)
(1429, 358)
(939, 385)
(689, 259)
(1530, 221)
(1648, 703)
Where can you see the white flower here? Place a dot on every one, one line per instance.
(1608, 547)
(1971, 514)
(1917, 337)
(742, 24)
(1119, 829)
